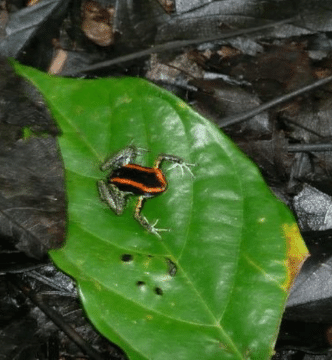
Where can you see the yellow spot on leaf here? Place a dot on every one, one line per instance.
(182, 104)
(297, 252)
(147, 262)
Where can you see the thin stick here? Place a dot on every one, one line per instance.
(55, 317)
(309, 147)
(179, 44)
(235, 119)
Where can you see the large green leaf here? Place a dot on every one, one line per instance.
(214, 287)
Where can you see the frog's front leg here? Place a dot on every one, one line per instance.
(112, 196)
(122, 157)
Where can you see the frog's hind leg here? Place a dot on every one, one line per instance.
(143, 220)
(112, 196)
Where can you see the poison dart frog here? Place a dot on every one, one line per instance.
(126, 178)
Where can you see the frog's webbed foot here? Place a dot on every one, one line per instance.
(152, 229)
(176, 160)
(182, 166)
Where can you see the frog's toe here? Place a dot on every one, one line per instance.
(155, 230)
(182, 165)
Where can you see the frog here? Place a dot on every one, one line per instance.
(127, 178)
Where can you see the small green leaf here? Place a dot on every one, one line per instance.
(27, 133)
(214, 287)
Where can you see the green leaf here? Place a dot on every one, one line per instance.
(214, 287)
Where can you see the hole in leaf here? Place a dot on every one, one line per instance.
(126, 257)
(140, 283)
(158, 291)
(172, 268)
